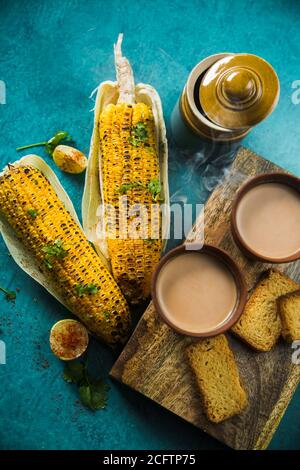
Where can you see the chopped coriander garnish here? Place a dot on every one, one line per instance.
(92, 289)
(106, 314)
(89, 289)
(56, 250)
(80, 289)
(93, 394)
(128, 186)
(32, 212)
(48, 263)
(139, 134)
(154, 187)
(9, 294)
(60, 137)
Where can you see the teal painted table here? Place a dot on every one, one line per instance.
(53, 54)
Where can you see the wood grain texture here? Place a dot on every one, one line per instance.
(153, 361)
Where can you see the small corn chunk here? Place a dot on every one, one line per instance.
(129, 164)
(31, 206)
(69, 159)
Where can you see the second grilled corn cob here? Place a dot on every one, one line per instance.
(30, 205)
(130, 168)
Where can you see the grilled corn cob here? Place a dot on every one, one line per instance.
(130, 168)
(30, 205)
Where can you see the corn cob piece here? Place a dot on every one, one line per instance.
(130, 169)
(30, 205)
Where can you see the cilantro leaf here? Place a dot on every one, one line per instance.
(85, 395)
(32, 212)
(80, 289)
(93, 394)
(48, 263)
(61, 137)
(139, 135)
(89, 289)
(55, 250)
(128, 186)
(99, 392)
(74, 372)
(154, 187)
(92, 289)
(106, 315)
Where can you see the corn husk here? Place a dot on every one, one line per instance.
(93, 218)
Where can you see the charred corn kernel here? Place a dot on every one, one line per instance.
(69, 159)
(129, 164)
(63, 253)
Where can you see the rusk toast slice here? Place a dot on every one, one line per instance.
(217, 377)
(289, 311)
(260, 324)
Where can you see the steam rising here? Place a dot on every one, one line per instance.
(193, 175)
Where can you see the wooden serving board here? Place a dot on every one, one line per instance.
(153, 361)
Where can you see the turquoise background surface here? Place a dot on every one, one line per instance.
(52, 56)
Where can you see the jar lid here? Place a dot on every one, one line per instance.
(239, 91)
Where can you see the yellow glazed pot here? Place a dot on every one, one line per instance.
(225, 96)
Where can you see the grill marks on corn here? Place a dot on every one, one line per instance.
(20, 192)
(133, 260)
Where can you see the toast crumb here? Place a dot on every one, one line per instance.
(217, 377)
(260, 324)
(289, 312)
